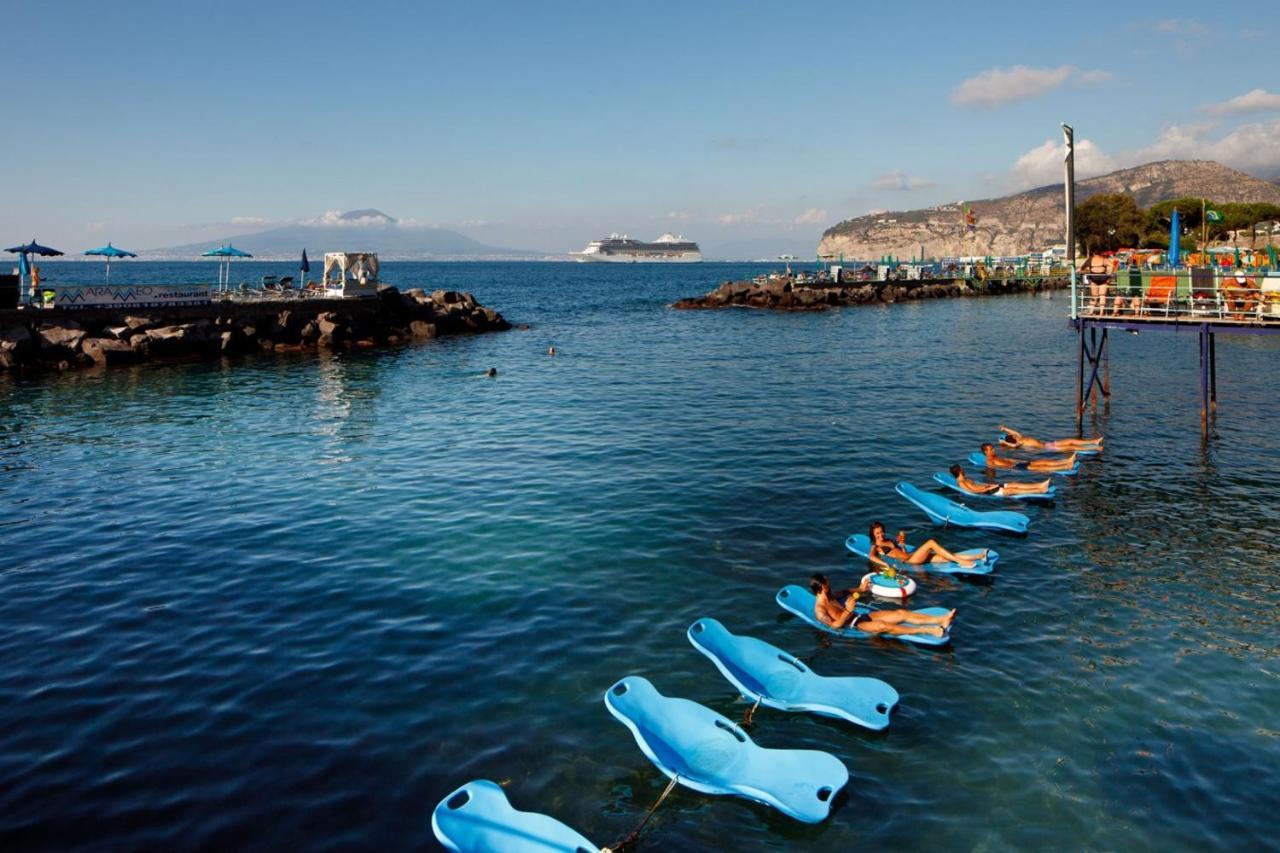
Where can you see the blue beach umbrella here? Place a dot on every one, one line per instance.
(303, 269)
(224, 254)
(32, 248)
(1174, 238)
(109, 251)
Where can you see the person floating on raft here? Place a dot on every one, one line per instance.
(995, 461)
(838, 611)
(1014, 439)
(929, 552)
(973, 487)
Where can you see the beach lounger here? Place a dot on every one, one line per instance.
(1159, 295)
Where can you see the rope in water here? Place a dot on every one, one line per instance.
(634, 835)
(749, 717)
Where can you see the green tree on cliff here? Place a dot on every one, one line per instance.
(1108, 221)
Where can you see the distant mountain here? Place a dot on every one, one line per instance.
(366, 230)
(1032, 220)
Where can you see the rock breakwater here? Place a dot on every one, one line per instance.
(63, 338)
(786, 295)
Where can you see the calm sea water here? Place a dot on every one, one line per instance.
(292, 601)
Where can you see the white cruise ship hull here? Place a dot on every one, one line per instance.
(601, 258)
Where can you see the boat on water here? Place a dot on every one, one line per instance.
(621, 249)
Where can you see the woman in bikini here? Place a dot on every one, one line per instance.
(995, 461)
(929, 552)
(1014, 439)
(829, 610)
(1039, 487)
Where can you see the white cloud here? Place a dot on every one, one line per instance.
(249, 220)
(812, 216)
(681, 217)
(474, 223)
(996, 87)
(1256, 101)
(751, 214)
(1251, 147)
(1180, 27)
(898, 181)
(1043, 164)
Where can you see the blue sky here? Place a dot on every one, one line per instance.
(750, 127)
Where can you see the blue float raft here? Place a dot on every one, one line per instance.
(799, 601)
(860, 544)
(711, 754)
(768, 675)
(477, 818)
(978, 459)
(945, 478)
(945, 511)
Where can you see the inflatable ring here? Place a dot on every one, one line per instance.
(886, 587)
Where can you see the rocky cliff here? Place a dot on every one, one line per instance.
(1033, 220)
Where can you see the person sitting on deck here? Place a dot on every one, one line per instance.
(995, 461)
(929, 552)
(839, 611)
(973, 487)
(1013, 439)
(1239, 295)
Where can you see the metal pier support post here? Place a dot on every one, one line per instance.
(1213, 372)
(1080, 386)
(1204, 380)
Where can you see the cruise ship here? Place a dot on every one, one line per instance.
(621, 249)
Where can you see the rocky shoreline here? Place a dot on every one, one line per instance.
(784, 294)
(63, 339)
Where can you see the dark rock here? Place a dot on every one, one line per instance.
(138, 322)
(17, 341)
(419, 329)
(60, 340)
(109, 351)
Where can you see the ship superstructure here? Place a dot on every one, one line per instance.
(621, 249)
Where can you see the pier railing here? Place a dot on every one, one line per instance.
(1179, 296)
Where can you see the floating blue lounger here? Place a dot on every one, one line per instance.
(711, 754)
(945, 478)
(945, 511)
(798, 600)
(860, 544)
(477, 818)
(978, 459)
(768, 675)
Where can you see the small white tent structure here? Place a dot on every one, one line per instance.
(350, 274)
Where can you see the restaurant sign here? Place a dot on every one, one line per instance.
(129, 296)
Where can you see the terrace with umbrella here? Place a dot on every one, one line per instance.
(109, 251)
(24, 266)
(224, 254)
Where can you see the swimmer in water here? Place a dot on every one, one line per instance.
(1014, 439)
(491, 372)
(830, 610)
(1003, 490)
(551, 350)
(929, 552)
(995, 461)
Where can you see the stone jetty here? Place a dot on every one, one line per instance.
(785, 294)
(60, 338)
